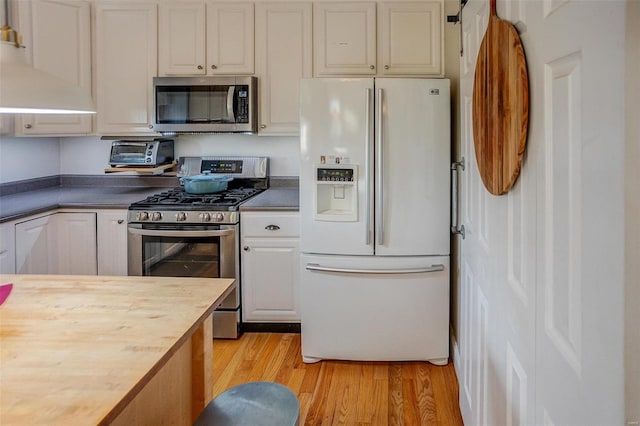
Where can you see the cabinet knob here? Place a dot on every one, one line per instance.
(28, 126)
(386, 67)
(213, 67)
(245, 248)
(200, 67)
(272, 227)
(263, 126)
(151, 126)
(120, 221)
(372, 67)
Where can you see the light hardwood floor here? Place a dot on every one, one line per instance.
(341, 392)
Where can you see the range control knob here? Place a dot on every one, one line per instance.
(142, 216)
(181, 216)
(219, 217)
(156, 216)
(205, 217)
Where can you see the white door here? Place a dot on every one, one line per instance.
(181, 39)
(413, 151)
(539, 292)
(336, 127)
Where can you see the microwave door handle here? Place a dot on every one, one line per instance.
(230, 94)
(176, 233)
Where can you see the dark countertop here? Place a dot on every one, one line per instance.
(274, 199)
(78, 192)
(106, 192)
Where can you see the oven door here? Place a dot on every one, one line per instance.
(202, 251)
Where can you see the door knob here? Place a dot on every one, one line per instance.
(245, 248)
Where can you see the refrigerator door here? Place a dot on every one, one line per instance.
(375, 308)
(336, 130)
(413, 152)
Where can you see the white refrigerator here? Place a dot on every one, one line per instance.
(375, 209)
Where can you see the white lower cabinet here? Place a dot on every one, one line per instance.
(112, 242)
(57, 243)
(270, 266)
(7, 249)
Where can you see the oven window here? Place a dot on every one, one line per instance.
(181, 257)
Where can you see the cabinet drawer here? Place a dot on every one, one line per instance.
(270, 224)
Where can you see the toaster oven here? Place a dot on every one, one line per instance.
(141, 153)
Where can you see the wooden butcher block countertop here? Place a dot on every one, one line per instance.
(75, 350)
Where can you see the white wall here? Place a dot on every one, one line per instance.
(28, 158)
(90, 155)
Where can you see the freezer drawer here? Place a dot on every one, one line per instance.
(375, 308)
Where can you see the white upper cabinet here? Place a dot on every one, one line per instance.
(410, 38)
(230, 38)
(283, 57)
(197, 38)
(57, 35)
(378, 39)
(344, 36)
(181, 38)
(125, 64)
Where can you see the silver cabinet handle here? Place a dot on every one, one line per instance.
(456, 228)
(379, 175)
(28, 126)
(320, 268)
(272, 227)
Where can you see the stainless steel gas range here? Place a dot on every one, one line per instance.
(178, 234)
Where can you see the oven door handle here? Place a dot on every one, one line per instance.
(170, 233)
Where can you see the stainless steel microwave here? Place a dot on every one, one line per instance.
(205, 104)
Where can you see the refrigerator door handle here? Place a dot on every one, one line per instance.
(367, 169)
(379, 173)
(319, 268)
(456, 228)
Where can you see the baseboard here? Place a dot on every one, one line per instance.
(270, 327)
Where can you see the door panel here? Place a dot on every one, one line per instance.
(534, 263)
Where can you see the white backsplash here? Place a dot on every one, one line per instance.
(28, 158)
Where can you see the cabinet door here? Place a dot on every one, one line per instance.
(58, 39)
(181, 38)
(410, 37)
(75, 244)
(230, 40)
(344, 37)
(34, 246)
(126, 62)
(59, 243)
(112, 242)
(283, 56)
(7, 249)
(270, 283)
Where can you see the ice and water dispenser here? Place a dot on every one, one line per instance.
(336, 192)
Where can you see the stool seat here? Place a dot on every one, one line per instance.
(252, 404)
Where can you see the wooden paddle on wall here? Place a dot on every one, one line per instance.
(500, 105)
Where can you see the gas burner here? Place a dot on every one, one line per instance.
(177, 198)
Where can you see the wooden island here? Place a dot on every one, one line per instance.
(87, 350)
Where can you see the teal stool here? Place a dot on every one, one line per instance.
(252, 404)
